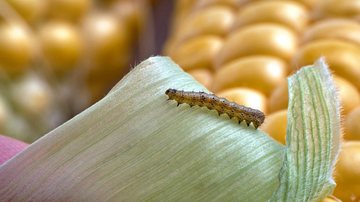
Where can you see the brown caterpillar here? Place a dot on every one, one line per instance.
(221, 105)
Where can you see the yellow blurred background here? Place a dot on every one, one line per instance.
(57, 57)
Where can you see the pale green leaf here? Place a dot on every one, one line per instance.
(135, 145)
(313, 136)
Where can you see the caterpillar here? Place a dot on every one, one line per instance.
(221, 105)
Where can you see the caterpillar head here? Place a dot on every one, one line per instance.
(170, 92)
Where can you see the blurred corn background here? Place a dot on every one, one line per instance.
(57, 57)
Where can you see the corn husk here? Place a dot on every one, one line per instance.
(135, 145)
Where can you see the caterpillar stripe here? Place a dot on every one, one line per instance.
(221, 105)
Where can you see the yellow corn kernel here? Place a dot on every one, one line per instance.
(349, 96)
(275, 125)
(107, 40)
(352, 126)
(342, 57)
(262, 73)
(61, 44)
(16, 49)
(204, 76)
(245, 96)
(279, 97)
(343, 29)
(336, 8)
(288, 13)
(259, 39)
(68, 9)
(197, 52)
(347, 172)
(215, 20)
(230, 3)
(30, 10)
(309, 3)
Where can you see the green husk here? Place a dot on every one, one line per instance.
(312, 136)
(135, 145)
